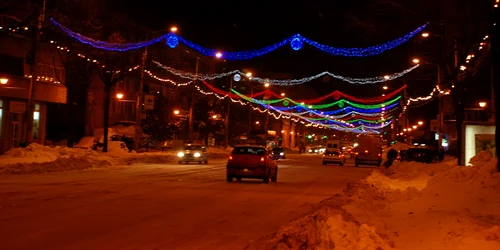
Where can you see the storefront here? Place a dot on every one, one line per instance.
(13, 105)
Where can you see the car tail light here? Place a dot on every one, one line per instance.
(230, 157)
(379, 154)
(262, 159)
(366, 151)
(356, 153)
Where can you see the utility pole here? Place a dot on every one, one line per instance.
(227, 113)
(440, 109)
(138, 103)
(250, 114)
(34, 75)
(191, 105)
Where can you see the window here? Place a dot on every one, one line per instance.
(36, 122)
(249, 151)
(49, 73)
(11, 65)
(1, 117)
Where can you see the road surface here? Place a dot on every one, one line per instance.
(161, 206)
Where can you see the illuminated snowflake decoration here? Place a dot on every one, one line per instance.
(172, 41)
(296, 43)
(237, 77)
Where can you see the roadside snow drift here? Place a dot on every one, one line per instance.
(409, 206)
(36, 158)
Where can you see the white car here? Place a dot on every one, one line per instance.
(335, 157)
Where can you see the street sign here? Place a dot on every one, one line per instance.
(149, 102)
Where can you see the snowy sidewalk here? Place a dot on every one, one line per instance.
(409, 206)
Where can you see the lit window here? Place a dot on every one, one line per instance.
(36, 122)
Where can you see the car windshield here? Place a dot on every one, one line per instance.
(332, 152)
(193, 147)
(278, 149)
(249, 151)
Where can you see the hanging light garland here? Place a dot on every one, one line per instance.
(237, 76)
(296, 43)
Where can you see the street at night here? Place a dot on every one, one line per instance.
(162, 206)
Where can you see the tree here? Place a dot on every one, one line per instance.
(88, 18)
(461, 25)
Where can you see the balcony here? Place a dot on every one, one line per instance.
(18, 88)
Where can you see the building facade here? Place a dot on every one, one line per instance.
(15, 77)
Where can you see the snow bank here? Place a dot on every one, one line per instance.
(36, 158)
(396, 146)
(410, 206)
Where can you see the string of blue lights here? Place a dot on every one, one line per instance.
(296, 42)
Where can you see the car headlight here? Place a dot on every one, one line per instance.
(197, 154)
(315, 151)
(282, 153)
(180, 154)
(310, 150)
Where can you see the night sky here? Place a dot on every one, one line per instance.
(246, 25)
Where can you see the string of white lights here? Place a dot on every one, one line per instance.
(237, 75)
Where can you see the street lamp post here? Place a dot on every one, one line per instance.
(226, 139)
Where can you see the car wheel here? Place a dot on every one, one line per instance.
(238, 178)
(324, 163)
(229, 178)
(199, 162)
(275, 177)
(341, 164)
(180, 162)
(266, 179)
(206, 161)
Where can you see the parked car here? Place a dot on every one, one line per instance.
(193, 153)
(254, 162)
(278, 153)
(425, 155)
(335, 157)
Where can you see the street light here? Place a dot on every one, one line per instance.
(257, 122)
(386, 77)
(420, 122)
(176, 112)
(4, 80)
(425, 34)
(414, 126)
(218, 55)
(266, 84)
(173, 29)
(482, 104)
(416, 60)
(119, 95)
(385, 87)
(214, 117)
(248, 74)
(282, 94)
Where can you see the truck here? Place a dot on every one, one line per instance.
(368, 151)
(334, 145)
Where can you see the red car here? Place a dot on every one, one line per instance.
(255, 162)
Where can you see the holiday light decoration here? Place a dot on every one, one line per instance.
(238, 74)
(339, 124)
(296, 42)
(333, 126)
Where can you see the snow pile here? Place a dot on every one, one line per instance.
(219, 153)
(412, 206)
(36, 158)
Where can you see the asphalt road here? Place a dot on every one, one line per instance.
(161, 206)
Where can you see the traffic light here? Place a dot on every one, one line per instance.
(309, 136)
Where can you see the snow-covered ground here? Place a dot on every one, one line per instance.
(409, 206)
(37, 158)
